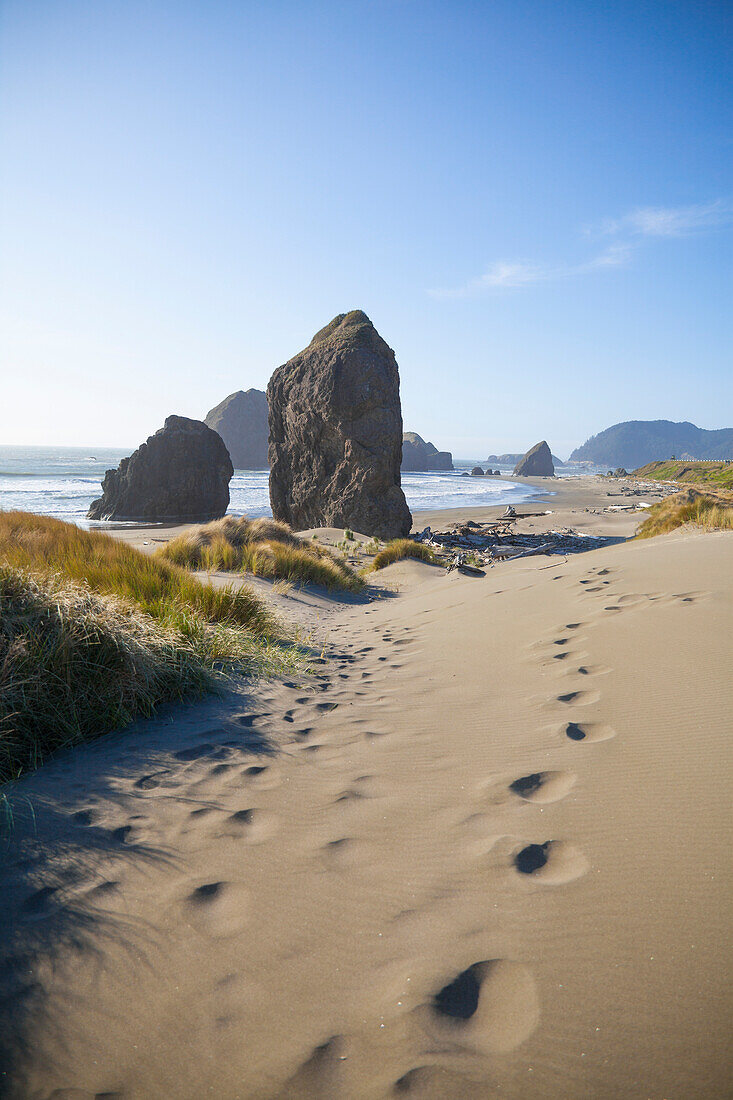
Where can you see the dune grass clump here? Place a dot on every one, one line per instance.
(109, 567)
(75, 665)
(263, 547)
(398, 549)
(712, 512)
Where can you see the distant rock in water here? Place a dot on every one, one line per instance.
(636, 442)
(536, 463)
(477, 471)
(181, 474)
(336, 433)
(241, 421)
(512, 459)
(419, 455)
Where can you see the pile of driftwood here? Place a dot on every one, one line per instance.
(483, 544)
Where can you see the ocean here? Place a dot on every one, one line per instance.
(63, 481)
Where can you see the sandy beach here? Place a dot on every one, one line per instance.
(482, 851)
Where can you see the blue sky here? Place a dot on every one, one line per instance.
(532, 200)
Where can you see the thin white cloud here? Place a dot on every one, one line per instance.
(512, 274)
(671, 221)
(647, 221)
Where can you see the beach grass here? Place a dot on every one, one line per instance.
(74, 665)
(717, 475)
(94, 633)
(109, 567)
(263, 547)
(710, 511)
(396, 550)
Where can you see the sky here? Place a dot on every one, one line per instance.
(532, 201)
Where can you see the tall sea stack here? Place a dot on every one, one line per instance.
(336, 433)
(536, 463)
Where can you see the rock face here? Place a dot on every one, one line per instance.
(477, 471)
(419, 455)
(336, 433)
(181, 474)
(241, 421)
(536, 463)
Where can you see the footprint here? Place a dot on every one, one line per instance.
(543, 787)
(85, 817)
(323, 1074)
(593, 670)
(588, 731)
(254, 826)
(578, 698)
(150, 782)
(551, 863)
(431, 1082)
(263, 776)
(218, 908)
(491, 1007)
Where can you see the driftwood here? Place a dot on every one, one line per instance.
(476, 545)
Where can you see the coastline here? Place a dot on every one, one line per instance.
(308, 864)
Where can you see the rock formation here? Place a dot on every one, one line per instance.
(536, 463)
(511, 459)
(336, 433)
(181, 474)
(241, 421)
(477, 471)
(419, 455)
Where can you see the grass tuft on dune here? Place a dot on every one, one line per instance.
(263, 547)
(711, 511)
(74, 665)
(398, 549)
(94, 633)
(109, 567)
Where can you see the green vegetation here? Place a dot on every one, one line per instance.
(74, 665)
(397, 549)
(109, 567)
(718, 475)
(94, 634)
(263, 547)
(711, 511)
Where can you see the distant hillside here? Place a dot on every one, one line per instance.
(714, 474)
(636, 442)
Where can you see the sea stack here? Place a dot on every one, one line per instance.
(241, 421)
(419, 455)
(336, 433)
(180, 475)
(536, 463)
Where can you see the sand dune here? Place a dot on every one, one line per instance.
(484, 851)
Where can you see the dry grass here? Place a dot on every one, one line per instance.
(109, 567)
(74, 665)
(711, 511)
(263, 547)
(94, 633)
(398, 549)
